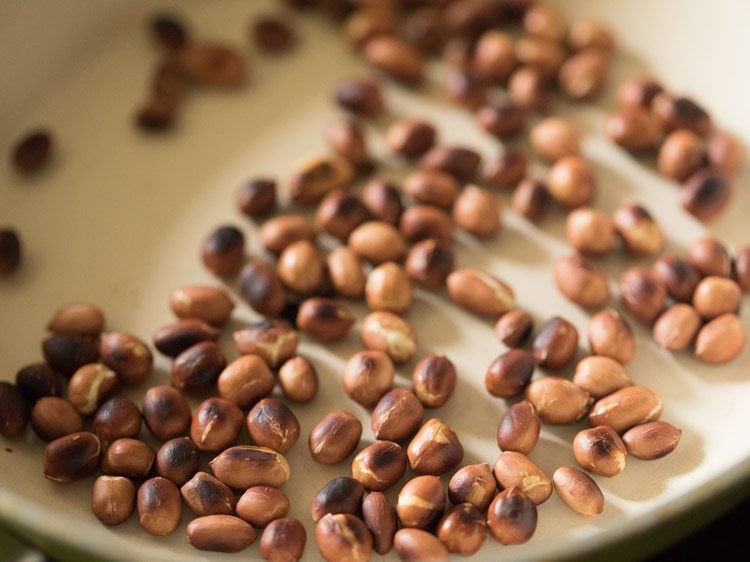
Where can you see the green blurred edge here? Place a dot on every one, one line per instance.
(631, 547)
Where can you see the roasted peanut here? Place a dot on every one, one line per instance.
(410, 137)
(557, 400)
(629, 406)
(433, 380)
(270, 423)
(715, 296)
(553, 138)
(556, 343)
(340, 212)
(706, 194)
(244, 466)
(36, 381)
(72, 457)
(413, 545)
(389, 333)
(396, 58)
(578, 491)
(397, 415)
(318, 175)
(176, 337)
(423, 222)
(343, 537)
(220, 533)
(459, 161)
(477, 212)
(590, 231)
(435, 449)
(166, 412)
(368, 376)
(216, 424)
(91, 385)
(128, 356)
(66, 353)
(206, 495)
(642, 294)
(651, 440)
(379, 466)
(377, 242)
(429, 263)
(256, 197)
(340, 495)
(388, 288)
(223, 251)
(571, 181)
(709, 257)
(480, 292)
(519, 428)
(421, 502)
(581, 281)
(324, 319)
(203, 302)
(681, 155)
(610, 335)
(676, 328)
(283, 540)
(599, 376)
(280, 231)
(584, 75)
(128, 457)
(531, 199)
(259, 505)
(301, 267)
(432, 187)
(361, 97)
(80, 318)
(334, 437)
(635, 129)
(112, 499)
(720, 340)
(51, 417)
(196, 369)
(379, 516)
(512, 517)
(383, 201)
(509, 374)
(298, 380)
(639, 231)
(474, 485)
(505, 170)
(178, 460)
(678, 276)
(600, 450)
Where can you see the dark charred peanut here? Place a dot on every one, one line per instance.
(423, 222)
(397, 415)
(599, 376)
(51, 417)
(383, 201)
(514, 328)
(272, 424)
(680, 113)
(530, 88)
(465, 89)
(410, 137)
(462, 529)
(546, 21)
(715, 296)
(128, 457)
(642, 295)
(600, 450)
(334, 437)
(223, 251)
(421, 502)
(543, 54)
(128, 356)
(324, 319)
(706, 194)
(340, 495)
(460, 162)
(512, 517)
(256, 198)
(14, 412)
(245, 380)
(474, 485)
(432, 187)
(384, 331)
(610, 335)
(166, 412)
(480, 292)
(584, 75)
(494, 57)
(571, 181)
(347, 139)
(513, 469)
(509, 374)
(368, 375)
(519, 428)
(556, 343)
(174, 338)
(260, 505)
(709, 257)
(72, 457)
(554, 138)
(578, 491)
(206, 495)
(340, 212)
(681, 155)
(368, 22)
(742, 267)
(280, 231)
(36, 381)
(32, 152)
(477, 212)
(346, 272)
(557, 400)
(298, 380)
(220, 533)
(720, 340)
(725, 154)
(651, 440)
(377, 242)
(313, 178)
(413, 545)
(379, 515)
(590, 231)
(635, 129)
(244, 466)
(388, 288)
(396, 58)
(638, 92)
(585, 34)
(677, 276)
(112, 499)
(274, 341)
(625, 408)
(503, 120)
(91, 385)
(506, 170)
(435, 449)
(423, 28)
(80, 318)
(361, 97)
(379, 466)
(203, 302)
(676, 327)
(639, 231)
(531, 199)
(216, 424)
(178, 460)
(66, 353)
(581, 281)
(196, 369)
(467, 19)
(343, 537)
(283, 540)
(212, 64)
(301, 267)
(429, 263)
(433, 380)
